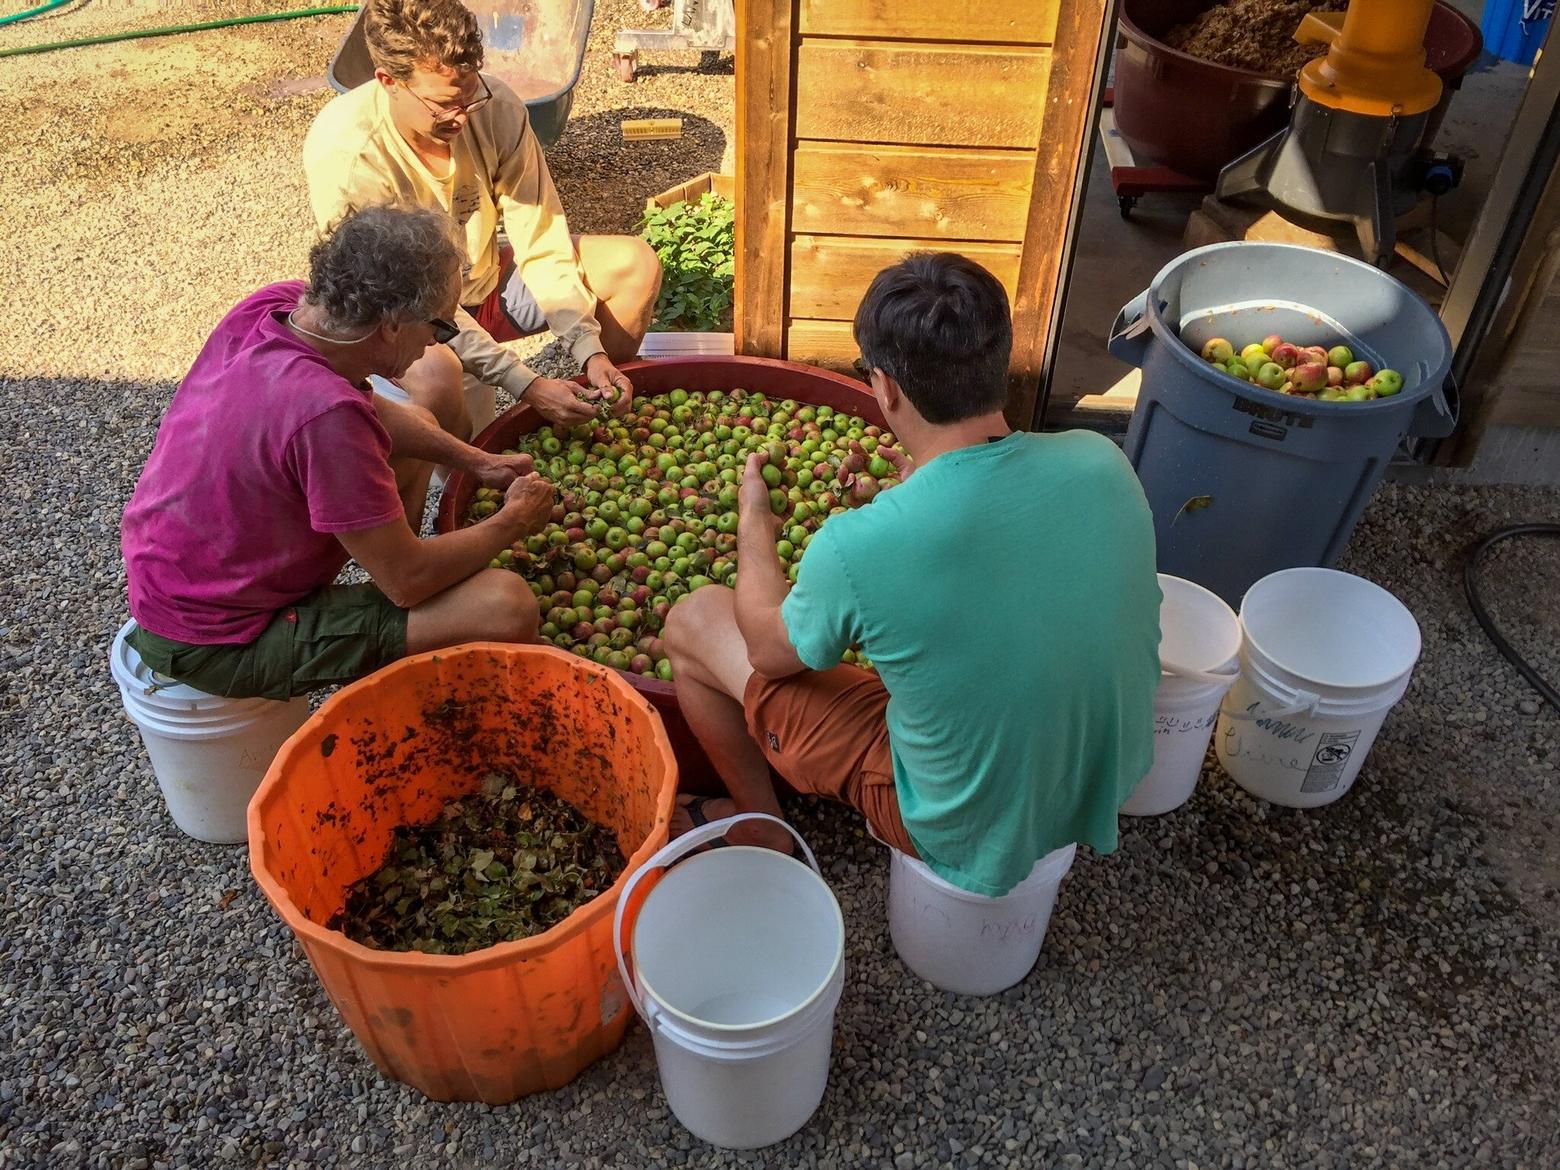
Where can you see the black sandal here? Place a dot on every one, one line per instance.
(695, 810)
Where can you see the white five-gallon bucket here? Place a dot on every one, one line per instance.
(1199, 647)
(738, 962)
(1325, 656)
(209, 753)
(969, 943)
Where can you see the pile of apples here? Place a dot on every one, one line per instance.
(1312, 371)
(647, 509)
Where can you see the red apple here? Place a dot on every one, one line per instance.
(1310, 377)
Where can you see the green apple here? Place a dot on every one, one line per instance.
(1340, 356)
(1271, 375)
(1357, 372)
(1238, 368)
(1254, 355)
(1359, 392)
(1217, 350)
(1386, 383)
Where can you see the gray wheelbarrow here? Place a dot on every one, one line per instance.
(536, 47)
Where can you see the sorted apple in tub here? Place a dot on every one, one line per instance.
(1285, 354)
(1310, 378)
(1217, 350)
(1271, 375)
(1386, 383)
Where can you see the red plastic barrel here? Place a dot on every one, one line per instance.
(769, 376)
(1195, 117)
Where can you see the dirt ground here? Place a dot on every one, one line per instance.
(153, 183)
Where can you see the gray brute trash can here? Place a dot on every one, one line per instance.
(1244, 481)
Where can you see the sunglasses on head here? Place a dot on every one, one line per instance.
(444, 331)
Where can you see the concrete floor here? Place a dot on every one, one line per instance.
(1116, 258)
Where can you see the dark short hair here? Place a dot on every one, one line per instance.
(938, 324)
(403, 34)
(384, 264)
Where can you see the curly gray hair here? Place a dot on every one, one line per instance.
(384, 264)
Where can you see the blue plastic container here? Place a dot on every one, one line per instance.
(1245, 481)
(1508, 35)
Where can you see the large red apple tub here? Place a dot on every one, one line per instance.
(767, 376)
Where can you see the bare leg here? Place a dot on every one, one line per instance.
(435, 382)
(493, 605)
(709, 659)
(625, 274)
(411, 478)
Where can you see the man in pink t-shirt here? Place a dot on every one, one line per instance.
(276, 463)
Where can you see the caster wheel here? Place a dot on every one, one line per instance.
(626, 64)
(1126, 203)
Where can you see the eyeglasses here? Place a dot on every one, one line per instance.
(444, 331)
(455, 109)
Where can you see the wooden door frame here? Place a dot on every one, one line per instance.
(766, 72)
(1079, 59)
(1477, 311)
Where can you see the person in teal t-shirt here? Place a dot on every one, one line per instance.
(1004, 591)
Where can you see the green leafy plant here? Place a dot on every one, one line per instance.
(504, 863)
(697, 246)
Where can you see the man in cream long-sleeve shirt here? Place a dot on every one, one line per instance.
(430, 129)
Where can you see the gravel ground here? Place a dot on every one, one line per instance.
(1372, 984)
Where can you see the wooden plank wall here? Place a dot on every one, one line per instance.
(766, 68)
(913, 127)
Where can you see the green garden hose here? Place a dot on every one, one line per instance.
(170, 30)
(29, 13)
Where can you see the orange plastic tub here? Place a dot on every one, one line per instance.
(391, 750)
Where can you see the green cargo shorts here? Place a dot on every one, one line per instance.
(334, 635)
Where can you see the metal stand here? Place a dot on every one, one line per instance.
(707, 25)
(1129, 179)
(1336, 165)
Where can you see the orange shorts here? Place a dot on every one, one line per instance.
(825, 732)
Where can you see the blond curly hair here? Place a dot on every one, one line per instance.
(403, 34)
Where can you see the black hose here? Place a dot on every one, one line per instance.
(1481, 615)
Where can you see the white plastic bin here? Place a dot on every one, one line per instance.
(738, 963)
(209, 753)
(965, 942)
(1325, 657)
(1199, 646)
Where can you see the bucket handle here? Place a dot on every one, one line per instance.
(1203, 676)
(674, 851)
(1304, 703)
(1130, 335)
(1435, 416)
